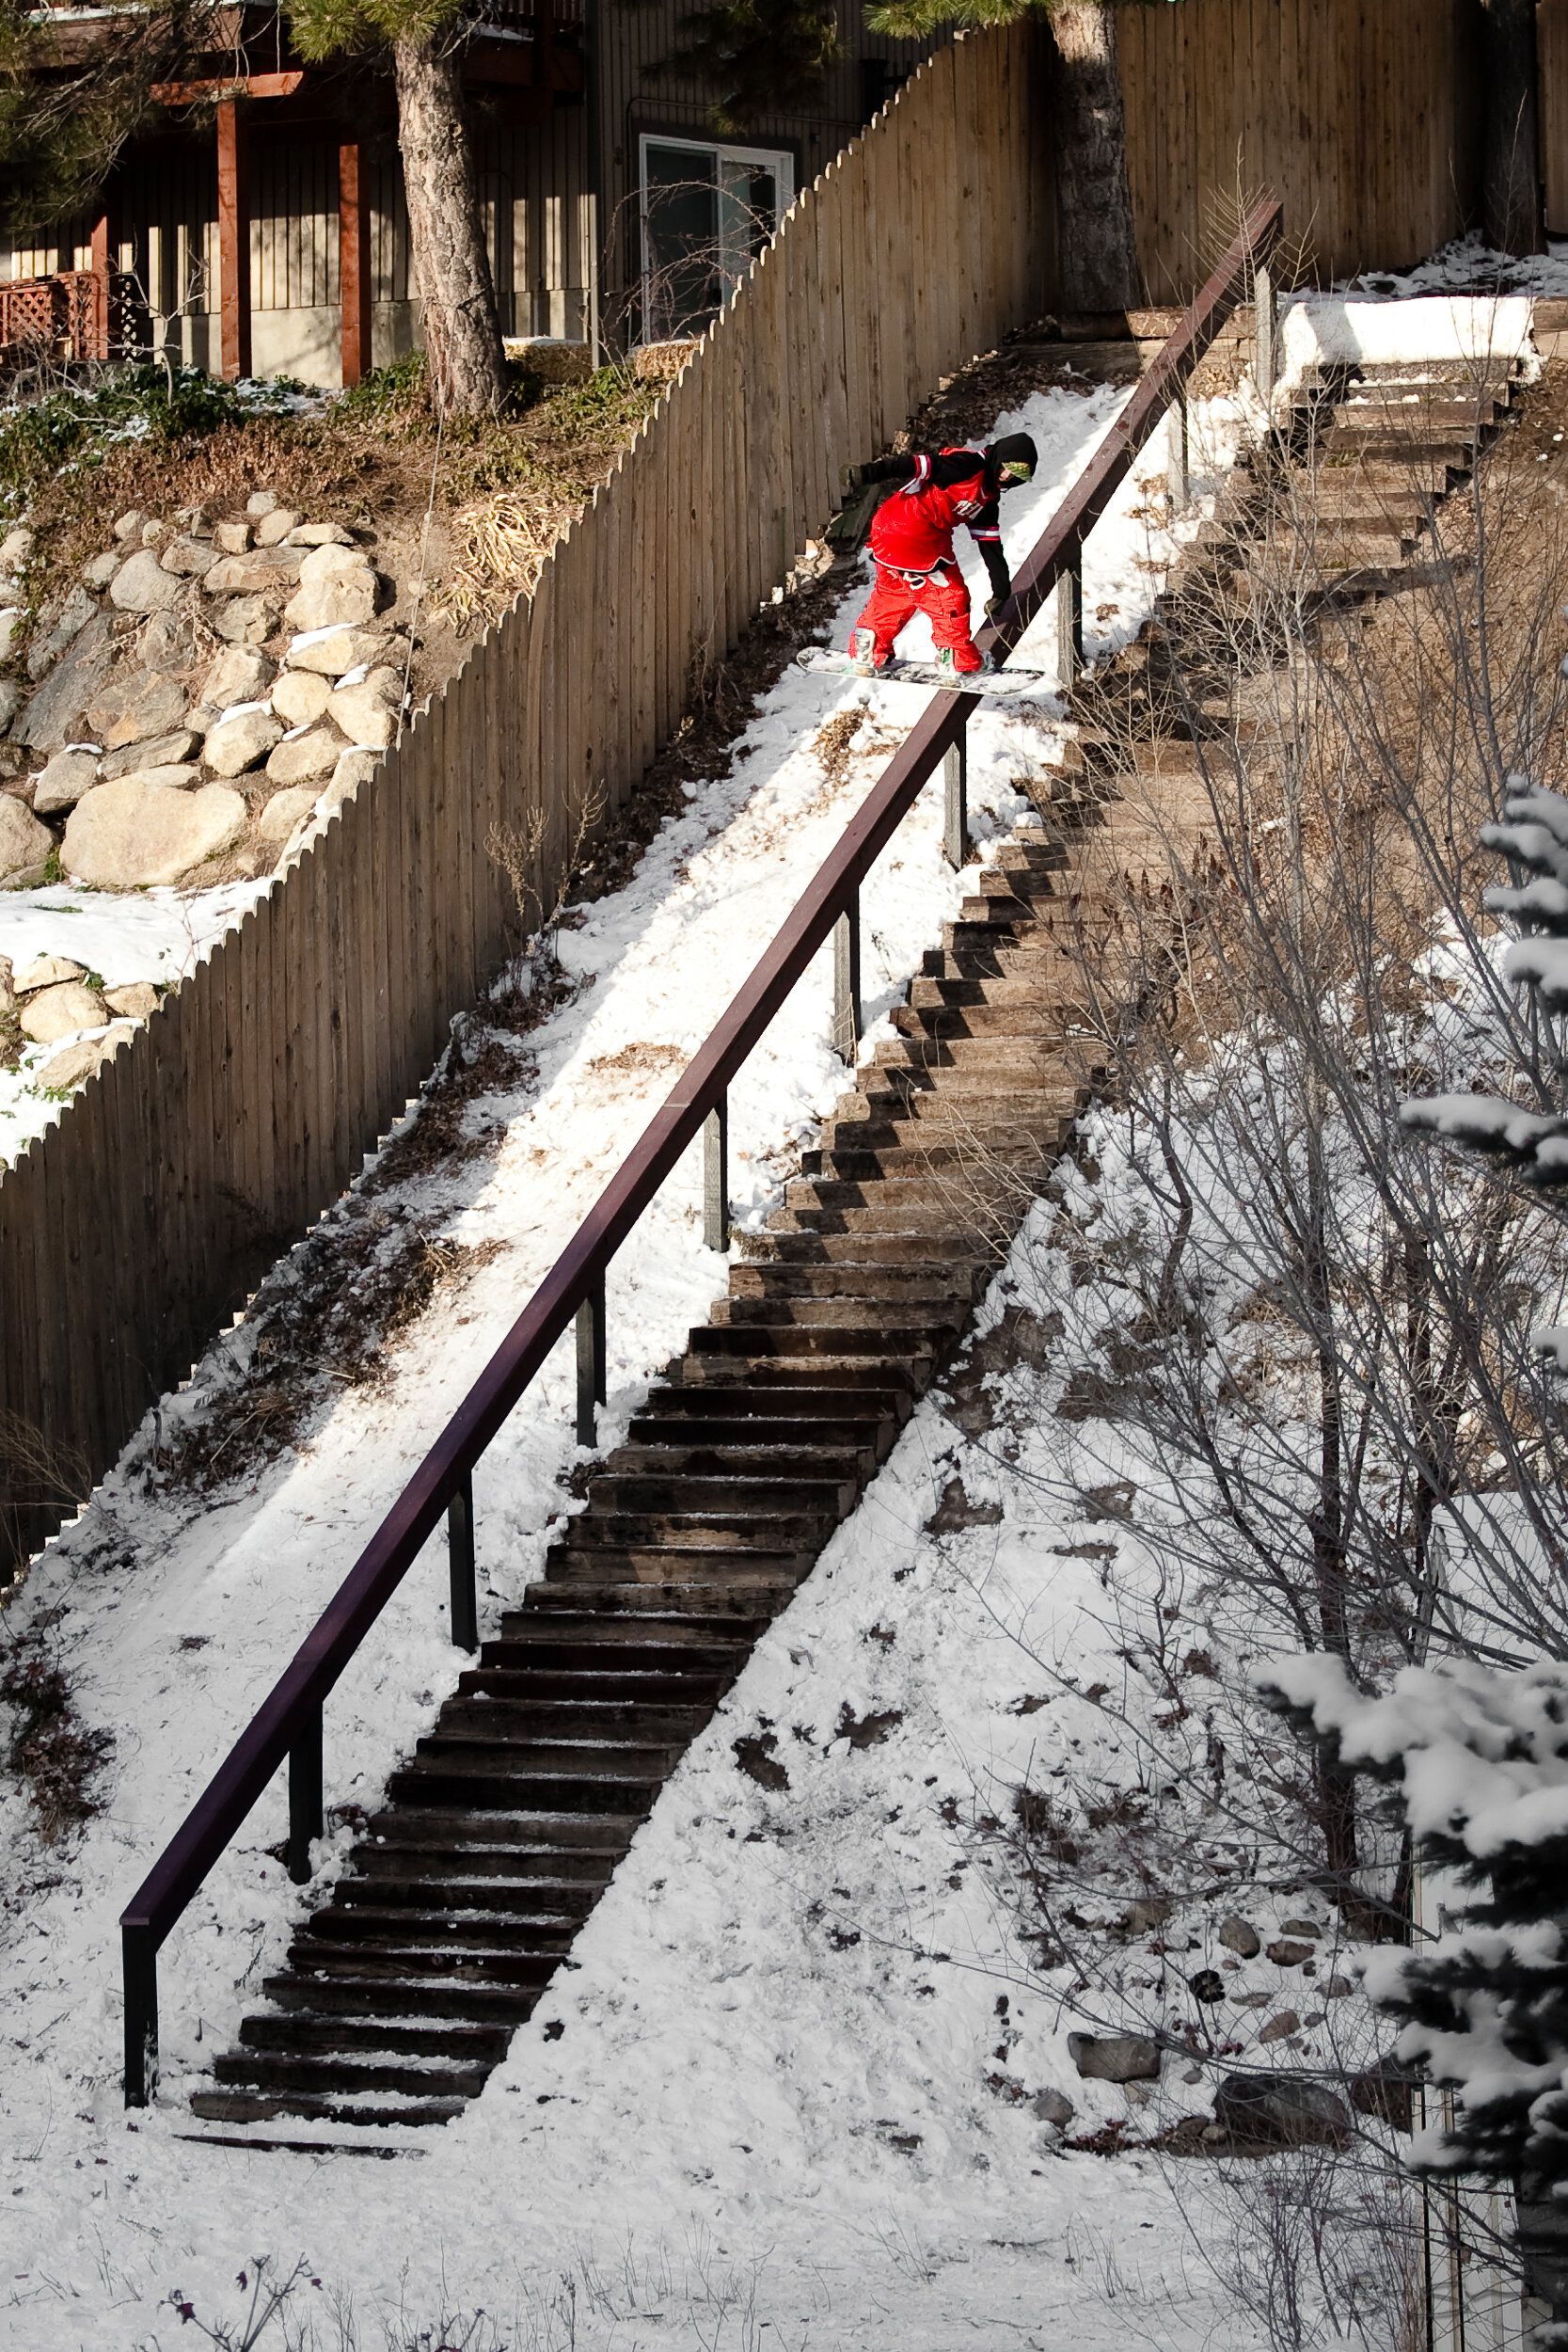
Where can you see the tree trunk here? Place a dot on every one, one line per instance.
(1094, 207)
(461, 328)
(1510, 169)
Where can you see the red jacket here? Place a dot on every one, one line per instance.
(912, 530)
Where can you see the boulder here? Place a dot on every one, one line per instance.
(153, 532)
(232, 539)
(333, 652)
(127, 526)
(54, 1012)
(54, 715)
(1240, 1936)
(164, 750)
(16, 548)
(62, 783)
(186, 556)
(103, 568)
(1120, 2058)
(1053, 2106)
(1300, 1927)
(63, 1073)
(47, 971)
(142, 585)
(1280, 2111)
(320, 535)
(10, 694)
(241, 674)
(1279, 2027)
(7, 991)
(136, 835)
(1338, 1988)
(135, 999)
(1285, 1954)
(285, 810)
(254, 574)
(77, 610)
(367, 712)
(11, 620)
(134, 707)
(299, 696)
(337, 586)
(354, 769)
(240, 737)
(244, 621)
(261, 502)
(178, 776)
(274, 528)
(305, 757)
(25, 846)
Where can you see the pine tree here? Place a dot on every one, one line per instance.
(457, 297)
(757, 56)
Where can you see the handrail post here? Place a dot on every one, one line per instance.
(1069, 627)
(955, 830)
(1263, 324)
(304, 1795)
(1177, 454)
(139, 1970)
(592, 1366)
(460, 1565)
(716, 1175)
(847, 982)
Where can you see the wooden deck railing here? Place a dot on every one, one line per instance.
(288, 1724)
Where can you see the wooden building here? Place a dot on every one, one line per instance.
(233, 227)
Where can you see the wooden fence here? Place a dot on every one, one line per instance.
(1361, 117)
(139, 1222)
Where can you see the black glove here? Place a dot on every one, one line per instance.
(995, 604)
(851, 480)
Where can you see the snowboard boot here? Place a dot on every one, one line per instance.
(948, 669)
(864, 653)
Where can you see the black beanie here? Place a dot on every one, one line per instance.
(1014, 448)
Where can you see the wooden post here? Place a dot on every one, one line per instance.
(1263, 365)
(233, 242)
(100, 265)
(354, 260)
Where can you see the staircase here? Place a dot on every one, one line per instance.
(502, 1832)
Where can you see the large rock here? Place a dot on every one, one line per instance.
(1053, 2106)
(74, 615)
(54, 1012)
(232, 539)
(10, 694)
(244, 621)
(12, 622)
(261, 502)
(299, 696)
(241, 675)
(306, 758)
(333, 652)
(367, 712)
(16, 548)
(242, 738)
(285, 810)
(164, 750)
(142, 585)
(135, 999)
(275, 526)
(254, 574)
(63, 1073)
(1280, 2111)
(337, 587)
(1119, 2058)
(1239, 1936)
(7, 991)
(25, 846)
(320, 535)
(47, 971)
(128, 526)
(54, 717)
(103, 568)
(354, 769)
(186, 556)
(134, 707)
(62, 783)
(136, 836)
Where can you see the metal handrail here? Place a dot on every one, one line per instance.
(288, 1724)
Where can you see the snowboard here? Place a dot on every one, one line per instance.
(995, 685)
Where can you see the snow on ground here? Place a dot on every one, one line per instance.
(774, 2048)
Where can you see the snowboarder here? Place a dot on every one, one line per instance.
(911, 546)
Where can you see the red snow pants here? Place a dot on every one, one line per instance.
(895, 601)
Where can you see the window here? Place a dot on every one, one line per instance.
(707, 210)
